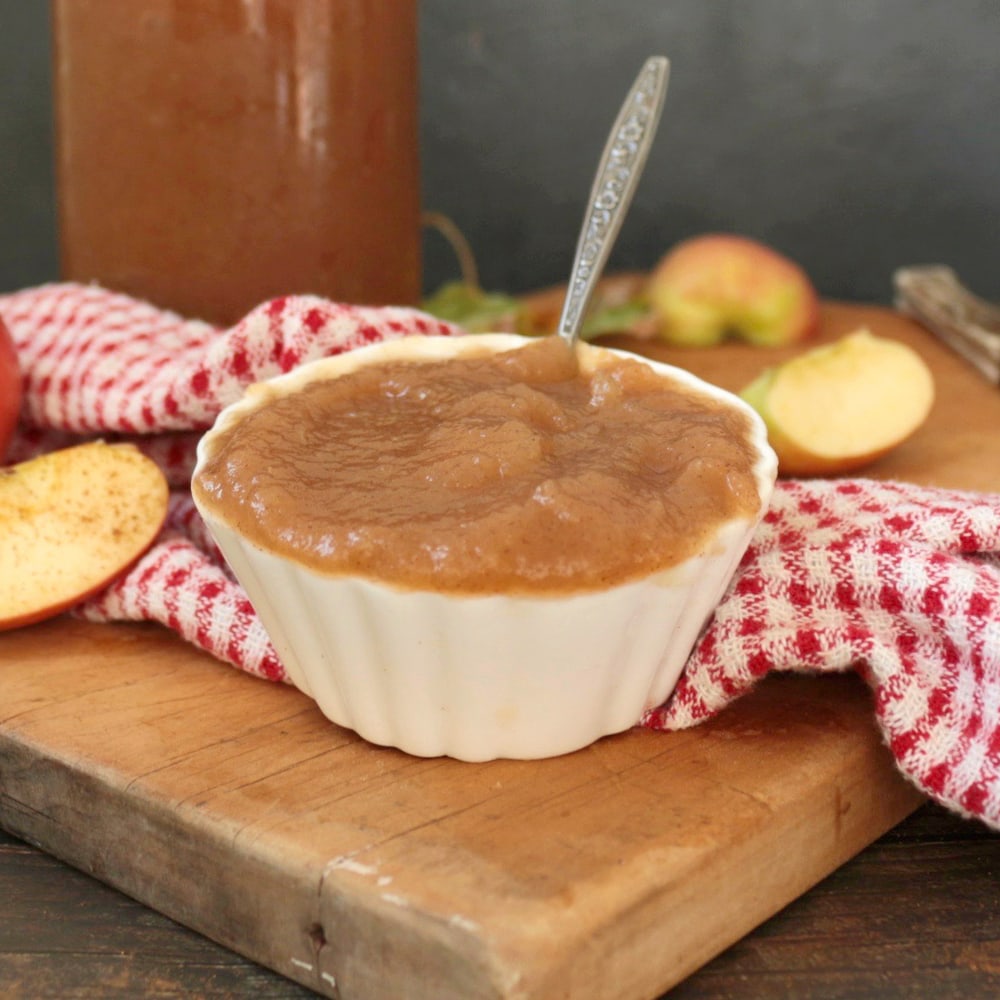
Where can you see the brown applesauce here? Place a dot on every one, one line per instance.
(514, 472)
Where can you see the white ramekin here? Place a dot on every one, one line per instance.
(481, 677)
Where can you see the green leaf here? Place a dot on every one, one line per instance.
(472, 308)
(613, 319)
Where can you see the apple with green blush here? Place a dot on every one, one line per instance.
(720, 286)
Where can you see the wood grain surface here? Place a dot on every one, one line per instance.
(232, 806)
(913, 917)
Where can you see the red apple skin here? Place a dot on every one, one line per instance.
(722, 285)
(10, 389)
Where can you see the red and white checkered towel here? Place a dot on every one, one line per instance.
(899, 582)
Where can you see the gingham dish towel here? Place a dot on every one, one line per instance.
(898, 582)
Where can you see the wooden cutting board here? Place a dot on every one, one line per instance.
(233, 806)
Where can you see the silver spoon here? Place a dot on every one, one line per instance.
(617, 177)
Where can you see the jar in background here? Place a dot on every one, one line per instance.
(212, 154)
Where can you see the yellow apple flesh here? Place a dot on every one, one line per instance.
(70, 522)
(719, 285)
(841, 406)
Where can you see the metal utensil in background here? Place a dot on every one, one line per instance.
(617, 177)
(934, 295)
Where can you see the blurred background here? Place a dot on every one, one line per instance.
(854, 137)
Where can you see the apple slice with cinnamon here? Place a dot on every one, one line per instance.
(70, 522)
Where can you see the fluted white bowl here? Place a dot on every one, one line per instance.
(482, 677)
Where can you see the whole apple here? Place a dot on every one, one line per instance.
(10, 389)
(721, 285)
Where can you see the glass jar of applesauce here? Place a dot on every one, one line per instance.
(212, 154)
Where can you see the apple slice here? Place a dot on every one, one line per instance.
(70, 522)
(839, 407)
(721, 285)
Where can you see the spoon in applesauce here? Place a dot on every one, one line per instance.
(617, 177)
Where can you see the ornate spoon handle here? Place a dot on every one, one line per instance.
(617, 176)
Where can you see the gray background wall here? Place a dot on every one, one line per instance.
(854, 136)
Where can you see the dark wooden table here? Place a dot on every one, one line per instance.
(916, 915)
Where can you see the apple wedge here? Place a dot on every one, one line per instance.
(70, 522)
(841, 406)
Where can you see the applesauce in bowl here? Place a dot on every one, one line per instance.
(484, 546)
